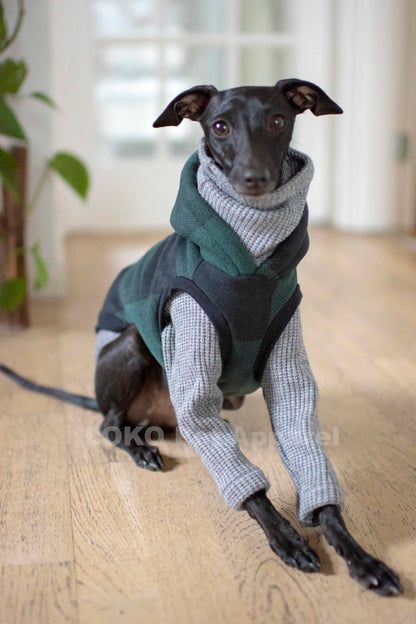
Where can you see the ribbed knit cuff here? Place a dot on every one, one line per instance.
(310, 500)
(238, 490)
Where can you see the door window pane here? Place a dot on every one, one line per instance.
(122, 18)
(182, 16)
(264, 16)
(263, 65)
(127, 96)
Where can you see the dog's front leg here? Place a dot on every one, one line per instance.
(368, 571)
(291, 394)
(282, 537)
(193, 367)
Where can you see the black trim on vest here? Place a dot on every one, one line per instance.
(211, 310)
(274, 331)
(292, 249)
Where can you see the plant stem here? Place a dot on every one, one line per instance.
(14, 262)
(17, 26)
(38, 190)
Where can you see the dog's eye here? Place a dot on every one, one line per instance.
(221, 128)
(276, 122)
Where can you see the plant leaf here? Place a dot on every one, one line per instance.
(3, 29)
(12, 294)
(8, 122)
(41, 270)
(7, 171)
(43, 98)
(72, 170)
(12, 74)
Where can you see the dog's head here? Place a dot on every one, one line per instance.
(248, 129)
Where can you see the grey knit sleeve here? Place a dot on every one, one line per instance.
(193, 367)
(291, 394)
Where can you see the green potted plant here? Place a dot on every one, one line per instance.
(16, 206)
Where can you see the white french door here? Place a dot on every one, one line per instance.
(117, 63)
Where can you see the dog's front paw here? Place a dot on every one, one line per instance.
(294, 550)
(147, 456)
(373, 574)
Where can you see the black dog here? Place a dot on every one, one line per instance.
(248, 131)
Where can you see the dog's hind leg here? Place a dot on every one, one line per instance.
(116, 429)
(131, 396)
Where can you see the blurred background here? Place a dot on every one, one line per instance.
(113, 65)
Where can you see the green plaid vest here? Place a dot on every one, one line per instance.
(249, 305)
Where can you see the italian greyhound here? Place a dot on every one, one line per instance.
(247, 132)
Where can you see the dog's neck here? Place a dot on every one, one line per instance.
(260, 222)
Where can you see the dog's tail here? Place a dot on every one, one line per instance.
(68, 397)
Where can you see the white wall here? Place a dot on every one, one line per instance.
(369, 38)
(405, 185)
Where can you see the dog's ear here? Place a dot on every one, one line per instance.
(305, 95)
(190, 104)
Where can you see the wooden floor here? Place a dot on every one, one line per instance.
(87, 537)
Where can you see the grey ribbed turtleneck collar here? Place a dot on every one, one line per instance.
(264, 222)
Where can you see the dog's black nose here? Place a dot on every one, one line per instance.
(256, 179)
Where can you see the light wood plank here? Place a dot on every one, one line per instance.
(36, 518)
(44, 594)
(144, 551)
